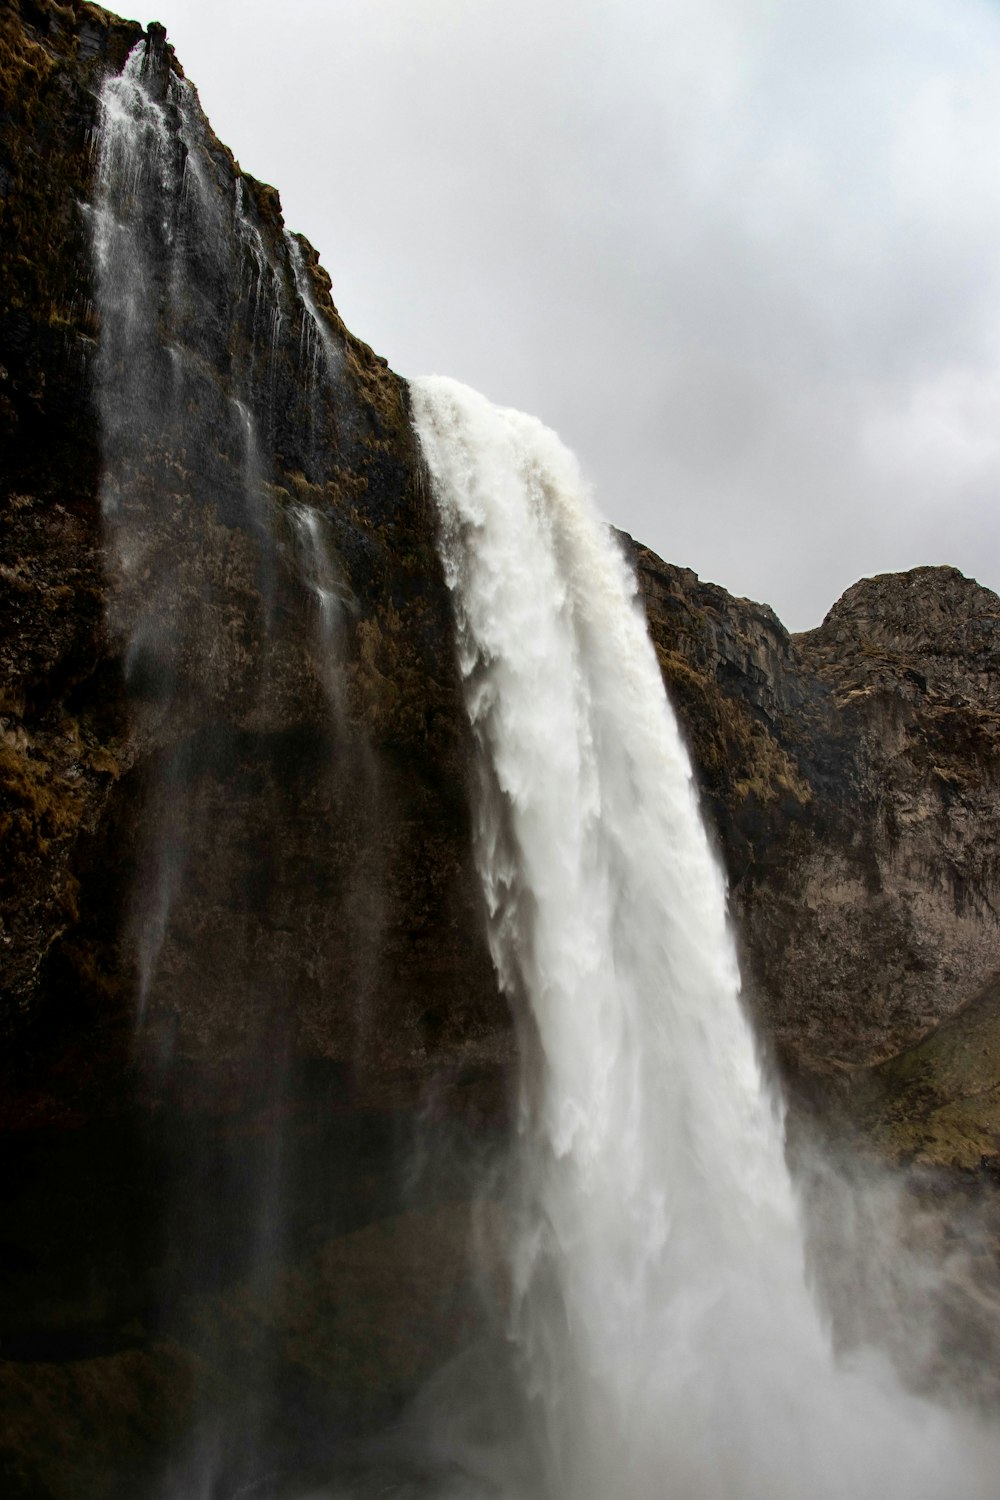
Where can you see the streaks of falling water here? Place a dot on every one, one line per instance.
(262, 287)
(666, 1339)
(322, 362)
(140, 392)
(319, 325)
(193, 305)
(330, 594)
(320, 352)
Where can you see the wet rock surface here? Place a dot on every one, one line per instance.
(205, 808)
(101, 729)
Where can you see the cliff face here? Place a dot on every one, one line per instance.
(241, 940)
(157, 705)
(912, 662)
(241, 929)
(852, 774)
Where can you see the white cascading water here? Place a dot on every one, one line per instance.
(666, 1340)
(192, 304)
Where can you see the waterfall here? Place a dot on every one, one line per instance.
(178, 451)
(197, 408)
(226, 599)
(665, 1339)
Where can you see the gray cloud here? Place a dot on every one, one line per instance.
(742, 254)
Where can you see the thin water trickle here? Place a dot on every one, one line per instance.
(319, 325)
(226, 600)
(320, 355)
(193, 310)
(666, 1341)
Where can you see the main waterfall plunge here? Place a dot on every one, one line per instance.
(657, 1337)
(665, 1337)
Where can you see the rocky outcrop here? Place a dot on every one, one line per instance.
(852, 774)
(912, 662)
(937, 1103)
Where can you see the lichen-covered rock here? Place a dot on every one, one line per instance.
(88, 1426)
(733, 676)
(937, 1103)
(56, 759)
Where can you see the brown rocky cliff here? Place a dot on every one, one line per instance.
(322, 959)
(852, 775)
(912, 662)
(80, 760)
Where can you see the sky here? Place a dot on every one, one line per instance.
(743, 255)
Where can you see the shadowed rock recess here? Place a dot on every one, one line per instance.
(251, 1038)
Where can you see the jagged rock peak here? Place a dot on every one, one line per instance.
(933, 610)
(934, 627)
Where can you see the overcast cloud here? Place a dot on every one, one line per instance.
(742, 254)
